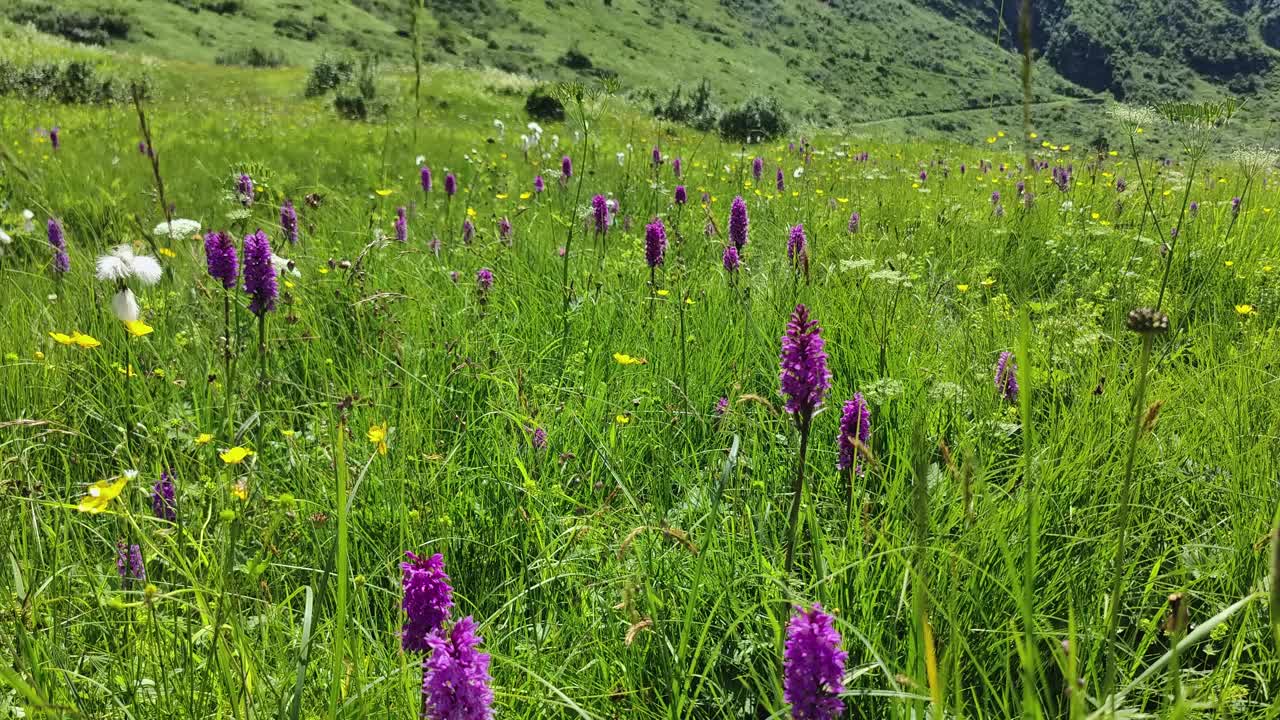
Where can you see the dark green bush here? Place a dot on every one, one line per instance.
(543, 105)
(252, 57)
(91, 26)
(758, 118)
(329, 72)
(698, 110)
(75, 81)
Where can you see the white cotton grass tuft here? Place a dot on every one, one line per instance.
(5, 238)
(125, 305)
(121, 264)
(177, 228)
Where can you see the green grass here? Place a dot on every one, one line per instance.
(634, 567)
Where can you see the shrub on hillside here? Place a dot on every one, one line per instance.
(543, 105)
(698, 110)
(252, 57)
(91, 26)
(758, 118)
(74, 81)
(328, 73)
(357, 99)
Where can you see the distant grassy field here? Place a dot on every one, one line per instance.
(597, 445)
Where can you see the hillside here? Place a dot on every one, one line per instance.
(920, 66)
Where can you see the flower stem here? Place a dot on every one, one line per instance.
(797, 492)
(1126, 493)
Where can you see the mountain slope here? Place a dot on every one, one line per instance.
(830, 62)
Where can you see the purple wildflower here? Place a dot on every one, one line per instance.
(682, 195)
(855, 423)
(450, 184)
(289, 221)
(757, 168)
(55, 137)
(813, 666)
(995, 197)
(738, 223)
(484, 279)
(244, 188)
(797, 244)
(58, 241)
(164, 504)
(1006, 377)
(655, 242)
(924, 175)
(435, 246)
(803, 376)
(566, 167)
(427, 601)
(1235, 206)
(425, 176)
(468, 231)
(455, 677)
(731, 258)
(539, 438)
(504, 230)
(129, 562)
(722, 406)
(1194, 208)
(657, 156)
(220, 256)
(600, 212)
(539, 185)
(402, 225)
(1121, 185)
(677, 167)
(855, 222)
(259, 273)
(781, 185)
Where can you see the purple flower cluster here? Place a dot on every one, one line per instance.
(797, 245)
(732, 261)
(58, 241)
(164, 503)
(504, 230)
(682, 195)
(757, 168)
(855, 222)
(657, 156)
(539, 438)
(600, 212)
(468, 231)
(55, 137)
(566, 167)
(244, 188)
(220, 256)
(129, 562)
(655, 242)
(738, 223)
(677, 167)
(855, 424)
(1062, 177)
(455, 677)
(450, 185)
(1006, 377)
(484, 279)
(289, 222)
(402, 225)
(813, 666)
(780, 182)
(539, 185)
(425, 176)
(259, 273)
(803, 374)
(427, 602)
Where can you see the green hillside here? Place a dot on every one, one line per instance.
(923, 67)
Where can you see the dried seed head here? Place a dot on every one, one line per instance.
(1148, 321)
(1152, 414)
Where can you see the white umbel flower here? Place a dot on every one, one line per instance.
(125, 305)
(121, 264)
(177, 228)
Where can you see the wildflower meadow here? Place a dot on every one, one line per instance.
(453, 413)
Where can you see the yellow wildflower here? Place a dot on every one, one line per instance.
(61, 339)
(471, 212)
(240, 488)
(384, 193)
(85, 341)
(1245, 309)
(378, 436)
(168, 252)
(622, 419)
(664, 292)
(235, 455)
(962, 288)
(137, 328)
(526, 195)
(204, 438)
(102, 493)
(624, 359)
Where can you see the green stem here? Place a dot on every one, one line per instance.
(1173, 243)
(1126, 493)
(797, 492)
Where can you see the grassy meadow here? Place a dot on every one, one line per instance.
(599, 449)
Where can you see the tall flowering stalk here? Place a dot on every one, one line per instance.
(224, 266)
(164, 502)
(260, 284)
(601, 221)
(58, 243)
(1006, 377)
(798, 250)
(401, 225)
(855, 436)
(655, 249)
(738, 223)
(289, 222)
(813, 666)
(427, 600)
(804, 379)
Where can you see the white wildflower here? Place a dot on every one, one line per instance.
(28, 221)
(121, 264)
(797, 173)
(419, 160)
(177, 228)
(4, 237)
(283, 265)
(622, 158)
(125, 305)
(501, 127)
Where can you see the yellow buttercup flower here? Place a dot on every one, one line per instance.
(240, 488)
(471, 212)
(501, 196)
(87, 342)
(526, 195)
(204, 438)
(101, 494)
(137, 328)
(61, 338)
(624, 359)
(962, 288)
(383, 193)
(288, 433)
(999, 133)
(1245, 309)
(235, 455)
(622, 419)
(991, 139)
(988, 282)
(664, 292)
(378, 436)
(168, 252)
